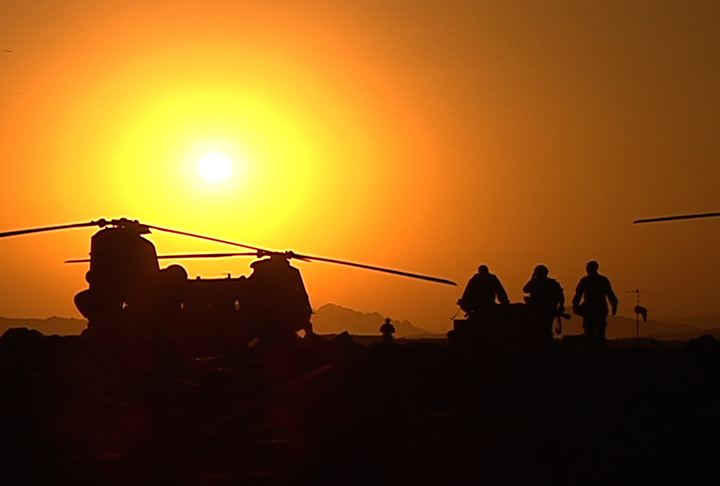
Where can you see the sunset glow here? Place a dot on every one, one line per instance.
(429, 138)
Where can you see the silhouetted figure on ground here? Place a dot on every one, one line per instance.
(591, 302)
(387, 330)
(478, 299)
(545, 299)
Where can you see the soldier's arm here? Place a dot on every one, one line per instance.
(500, 290)
(611, 297)
(579, 290)
(468, 288)
(464, 300)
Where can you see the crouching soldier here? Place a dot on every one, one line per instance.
(481, 292)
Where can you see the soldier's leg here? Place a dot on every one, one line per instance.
(548, 328)
(588, 327)
(601, 328)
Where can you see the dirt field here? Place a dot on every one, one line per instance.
(150, 411)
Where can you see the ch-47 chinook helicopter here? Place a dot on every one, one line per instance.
(128, 290)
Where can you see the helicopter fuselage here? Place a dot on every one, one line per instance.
(126, 284)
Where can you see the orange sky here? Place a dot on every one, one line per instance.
(424, 136)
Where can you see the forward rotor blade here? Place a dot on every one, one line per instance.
(51, 228)
(208, 238)
(372, 267)
(180, 256)
(673, 218)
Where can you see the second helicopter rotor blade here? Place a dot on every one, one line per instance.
(673, 218)
(208, 238)
(372, 267)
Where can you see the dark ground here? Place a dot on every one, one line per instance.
(149, 411)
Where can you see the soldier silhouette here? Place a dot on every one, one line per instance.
(591, 302)
(478, 298)
(545, 299)
(387, 330)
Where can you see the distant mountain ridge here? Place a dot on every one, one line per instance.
(334, 319)
(63, 326)
(328, 319)
(708, 322)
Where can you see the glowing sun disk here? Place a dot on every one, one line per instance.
(215, 167)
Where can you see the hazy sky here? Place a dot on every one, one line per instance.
(425, 136)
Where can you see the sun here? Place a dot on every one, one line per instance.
(215, 167)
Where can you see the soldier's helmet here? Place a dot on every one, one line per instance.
(541, 271)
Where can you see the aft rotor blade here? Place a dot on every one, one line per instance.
(51, 228)
(208, 238)
(673, 218)
(372, 267)
(205, 255)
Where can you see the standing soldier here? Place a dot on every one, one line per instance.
(478, 299)
(387, 330)
(545, 299)
(591, 302)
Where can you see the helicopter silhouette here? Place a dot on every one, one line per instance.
(127, 289)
